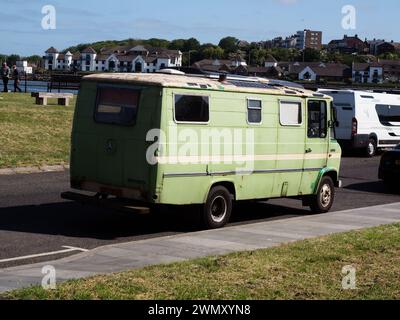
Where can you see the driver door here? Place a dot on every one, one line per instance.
(316, 145)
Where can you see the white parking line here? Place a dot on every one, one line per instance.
(66, 250)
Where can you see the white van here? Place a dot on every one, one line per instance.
(366, 120)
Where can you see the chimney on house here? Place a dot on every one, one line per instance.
(222, 77)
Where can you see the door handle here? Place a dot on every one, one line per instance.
(309, 150)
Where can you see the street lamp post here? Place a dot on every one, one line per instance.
(190, 51)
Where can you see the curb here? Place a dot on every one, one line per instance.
(29, 170)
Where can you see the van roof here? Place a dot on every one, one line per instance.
(362, 93)
(234, 84)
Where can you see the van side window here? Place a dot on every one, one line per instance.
(317, 119)
(389, 115)
(290, 113)
(192, 108)
(116, 105)
(254, 111)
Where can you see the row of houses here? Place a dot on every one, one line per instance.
(121, 59)
(356, 45)
(374, 72)
(148, 59)
(239, 66)
(348, 44)
(300, 40)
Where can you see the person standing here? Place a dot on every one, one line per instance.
(5, 75)
(16, 79)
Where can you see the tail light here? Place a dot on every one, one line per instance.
(354, 127)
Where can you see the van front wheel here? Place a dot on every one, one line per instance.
(322, 202)
(218, 208)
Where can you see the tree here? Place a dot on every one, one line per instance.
(3, 58)
(311, 55)
(229, 44)
(257, 56)
(35, 59)
(12, 59)
(390, 56)
(177, 44)
(158, 43)
(212, 52)
(191, 44)
(282, 54)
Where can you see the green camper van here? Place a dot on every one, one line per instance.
(207, 141)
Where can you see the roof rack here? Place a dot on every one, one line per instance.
(265, 81)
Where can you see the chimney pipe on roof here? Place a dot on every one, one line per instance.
(222, 77)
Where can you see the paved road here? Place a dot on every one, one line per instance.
(34, 220)
(135, 254)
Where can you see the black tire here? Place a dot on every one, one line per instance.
(218, 208)
(322, 202)
(389, 185)
(371, 149)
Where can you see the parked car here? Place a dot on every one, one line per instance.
(367, 121)
(389, 169)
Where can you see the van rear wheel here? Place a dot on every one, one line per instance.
(322, 202)
(371, 148)
(218, 208)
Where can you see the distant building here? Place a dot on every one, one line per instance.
(242, 44)
(24, 67)
(317, 71)
(367, 73)
(270, 61)
(120, 59)
(387, 47)
(301, 40)
(349, 45)
(309, 39)
(219, 65)
(265, 72)
(238, 66)
(373, 45)
(391, 70)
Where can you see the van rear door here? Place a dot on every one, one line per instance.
(109, 139)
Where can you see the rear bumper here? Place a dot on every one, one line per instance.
(135, 194)
(113, 203)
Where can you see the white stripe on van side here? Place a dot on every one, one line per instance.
(245, 158)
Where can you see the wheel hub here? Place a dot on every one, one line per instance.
(326, 195)
(371, 148)
(219, 209)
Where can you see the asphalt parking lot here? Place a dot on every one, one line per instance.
(34, 220)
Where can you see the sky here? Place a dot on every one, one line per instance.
(79, 21)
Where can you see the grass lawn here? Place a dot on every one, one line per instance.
(303, 270)
(32, 135)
